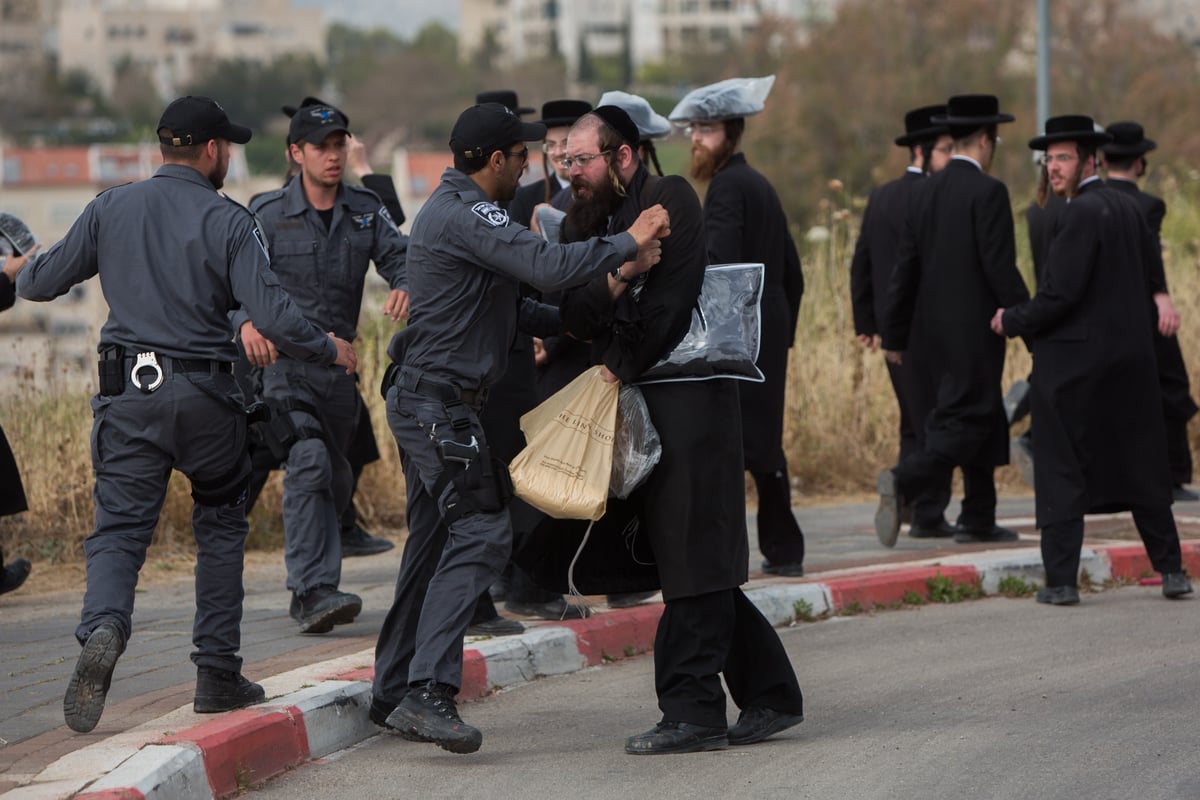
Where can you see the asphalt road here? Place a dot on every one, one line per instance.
(996, 698)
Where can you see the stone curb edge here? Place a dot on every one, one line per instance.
(219, 758)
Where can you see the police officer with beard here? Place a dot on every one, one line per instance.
(174, 258)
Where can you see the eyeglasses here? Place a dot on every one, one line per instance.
(1060, 158)
(702, 128)
(946, 149)
(551, 146)
(582, 160)
(521, 154)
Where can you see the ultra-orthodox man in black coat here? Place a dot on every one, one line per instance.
(957, 264)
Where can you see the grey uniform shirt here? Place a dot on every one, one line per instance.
(174, 257)
(466, 262)
(324, 271)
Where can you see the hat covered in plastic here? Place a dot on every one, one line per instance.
(649, 124)
(972, 110)
(919, 125)
(561, 113)
(195, 120)
(485, 128)
(735, 97)
(313, 123)
(1128, 139)
(506, 98)
(1070, 128)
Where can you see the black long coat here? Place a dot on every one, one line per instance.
(691, 512)
(870, 275)
(744, 222)
(1173, 380)
(12, 493)
(1100, 443)
(957, 264)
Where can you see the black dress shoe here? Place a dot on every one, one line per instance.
(943, 530)
(322, 607)
(496, 626)
(629, 599)
(1175, 584)
(985, 536)
(357, 542)
(558, 609)
(1181, 494)
(887, 516)
(1058, 595)
(787, 569)
(14, 575)
(676, 737)
(755, 724)
(220, 690)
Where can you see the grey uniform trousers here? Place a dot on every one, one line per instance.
(319, 480)
(444, 569)
(191, 423)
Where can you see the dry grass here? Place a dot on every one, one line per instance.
(841, 426)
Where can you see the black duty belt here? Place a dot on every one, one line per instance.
(202, 365)
(414, 380)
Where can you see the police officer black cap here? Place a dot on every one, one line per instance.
(313, 123)
(195, 120)
(483, 129)
(290, 111)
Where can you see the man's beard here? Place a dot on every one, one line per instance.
(706, 162)
(589, 215)
(1071, 187)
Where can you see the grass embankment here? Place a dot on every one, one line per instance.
(841, 426)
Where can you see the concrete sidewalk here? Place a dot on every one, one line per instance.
(150, 744)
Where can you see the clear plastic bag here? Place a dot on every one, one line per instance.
(636, 446)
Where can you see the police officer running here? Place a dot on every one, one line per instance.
(322, 235)
(466, 263)
(174, 257)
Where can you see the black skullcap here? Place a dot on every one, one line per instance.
(618, 119)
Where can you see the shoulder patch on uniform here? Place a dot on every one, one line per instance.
(383, 212)
(490, 213)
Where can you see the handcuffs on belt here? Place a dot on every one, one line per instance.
(146, 361)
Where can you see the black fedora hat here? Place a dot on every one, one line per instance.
(1128, 139)
(560, 113)
(1070, 128)
(506, 98)
(972, 111)
(919, 125)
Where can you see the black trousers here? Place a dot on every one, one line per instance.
(929, 506)
(702, 637)
(922, 473)
(1062, 542)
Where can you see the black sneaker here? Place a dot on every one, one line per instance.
(84, 702)
(322, 607)
(222, 690)
(428, 712)
(14, 575)
(1058, 595)
(357, 542)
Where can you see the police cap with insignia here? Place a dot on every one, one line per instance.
(313, 123)
(195, 120)
(290, 111)
(483, 129)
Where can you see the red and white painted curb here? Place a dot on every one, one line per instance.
(322, 708)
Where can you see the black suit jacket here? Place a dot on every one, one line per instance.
(12, 496)
(876, 250)
(956, 265)
(1100, 443)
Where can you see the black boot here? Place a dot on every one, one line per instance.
(428, 713)
(222, 690)
(88, 689)
(322, 607)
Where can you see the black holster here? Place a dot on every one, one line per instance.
(112, 370)
(270, 428)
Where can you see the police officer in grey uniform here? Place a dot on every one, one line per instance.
(174, 257)
(466, 263)
(322, 235)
